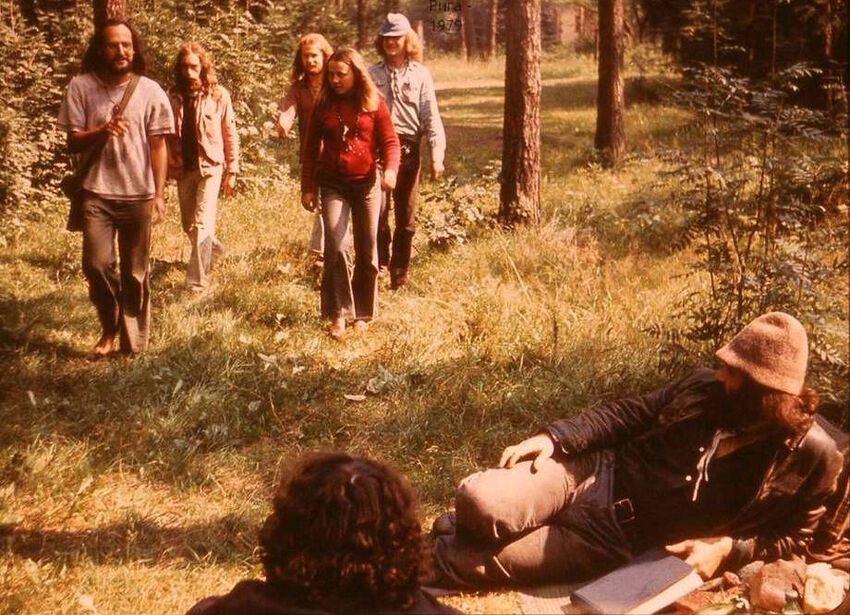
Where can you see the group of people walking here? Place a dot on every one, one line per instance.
(360, 130)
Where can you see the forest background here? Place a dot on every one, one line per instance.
(136, 486)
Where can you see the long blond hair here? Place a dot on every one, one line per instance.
(411, 43)
(209, 79)
(309, 40)
(364, 88)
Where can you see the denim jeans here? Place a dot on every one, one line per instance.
(350, 292)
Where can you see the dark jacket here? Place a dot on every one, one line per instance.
(782, 515)
(260, 598)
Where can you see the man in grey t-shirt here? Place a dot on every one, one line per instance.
(124, 185)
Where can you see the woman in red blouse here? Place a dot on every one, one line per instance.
(351, 154)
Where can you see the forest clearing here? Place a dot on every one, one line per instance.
(137, 485)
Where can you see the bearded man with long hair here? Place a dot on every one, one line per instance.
(124, 181)
(407, 86)
(305, 86)
(203, 155)
(722, 467)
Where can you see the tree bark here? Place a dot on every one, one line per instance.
(519, 197)
(361, 25)
(828, 67)
(470, 47)
(107, 9)
(494, 20)
(611, 99)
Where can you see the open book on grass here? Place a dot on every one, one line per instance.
(647, 584)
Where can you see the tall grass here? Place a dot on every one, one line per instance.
(136, 486)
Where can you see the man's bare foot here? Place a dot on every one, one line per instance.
(104, 345)
(360, 325)
(338, 328)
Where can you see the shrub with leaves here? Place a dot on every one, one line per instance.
(35, 64)
(764, 199)
(42, 43)
(452, 211)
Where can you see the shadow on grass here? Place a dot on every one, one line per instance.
(228, 539)
(209, 394)
(23, 324)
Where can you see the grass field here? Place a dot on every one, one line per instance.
(137, 486)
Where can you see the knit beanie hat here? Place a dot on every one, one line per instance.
(772, 350)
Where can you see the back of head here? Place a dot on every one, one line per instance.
(344, 534)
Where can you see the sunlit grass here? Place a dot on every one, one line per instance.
(137, 486)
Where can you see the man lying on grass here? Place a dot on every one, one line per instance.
(722, 467)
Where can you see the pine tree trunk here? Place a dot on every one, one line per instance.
(468, 26)
(827, 54)
(361, 25)
(611, 99)
(107, 9)
(494, 20)
(519, 198)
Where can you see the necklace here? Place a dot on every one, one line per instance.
(115, 103)
(354, 131)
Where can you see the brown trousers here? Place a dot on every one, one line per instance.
(350, 292)
(121, 294)
(403, 201)
(518, 527)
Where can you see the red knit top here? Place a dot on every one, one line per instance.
(344, 144)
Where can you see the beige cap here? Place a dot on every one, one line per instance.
(773, 350)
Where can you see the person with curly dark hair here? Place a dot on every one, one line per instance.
(344, 537)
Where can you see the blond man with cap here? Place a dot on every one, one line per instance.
(408, 88)
(722, 467)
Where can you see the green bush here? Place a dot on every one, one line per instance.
(764, 200)
(252, 50)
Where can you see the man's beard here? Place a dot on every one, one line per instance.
(120, 70)
(740, 410)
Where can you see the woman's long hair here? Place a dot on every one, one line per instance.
(93, 60)
(364, 89)
(345, 535)
(309, 40)
(410, 42)
(209, 79)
